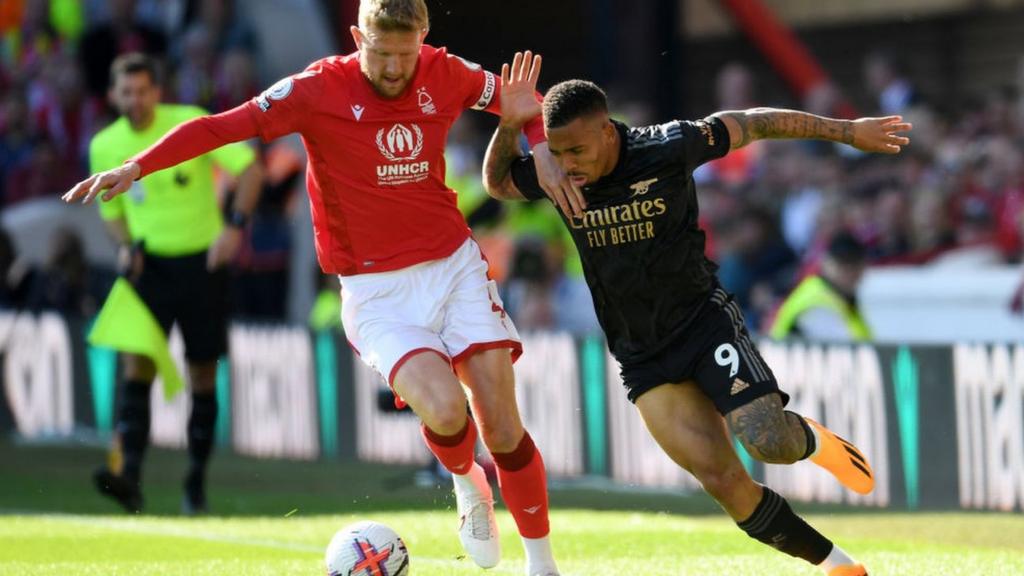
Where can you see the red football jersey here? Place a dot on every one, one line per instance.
(376, 176)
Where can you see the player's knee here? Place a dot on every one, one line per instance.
(720, 484)
(774, 448)
(444, 417)
(501, 439)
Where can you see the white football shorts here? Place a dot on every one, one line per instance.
(448, 306)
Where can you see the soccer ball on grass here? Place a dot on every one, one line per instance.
(367, 549)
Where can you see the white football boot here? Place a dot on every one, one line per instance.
(478, 529)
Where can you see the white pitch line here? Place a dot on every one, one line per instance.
(144, 527)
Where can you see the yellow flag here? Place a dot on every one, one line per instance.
(126, 324)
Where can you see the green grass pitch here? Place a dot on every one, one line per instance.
(278, 517)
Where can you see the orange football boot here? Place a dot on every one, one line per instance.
(843, 460)
(850, 570)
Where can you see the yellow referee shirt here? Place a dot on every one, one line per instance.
(174, 211)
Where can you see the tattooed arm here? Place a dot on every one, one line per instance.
(867, 134)
(501, 153)
(519, 105)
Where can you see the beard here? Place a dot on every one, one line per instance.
(385, 89)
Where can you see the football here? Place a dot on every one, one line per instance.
(367, 549)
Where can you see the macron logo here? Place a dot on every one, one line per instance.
(357, 111)
(532, 509)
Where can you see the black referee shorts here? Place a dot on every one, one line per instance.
(181, 290)
(716, 352)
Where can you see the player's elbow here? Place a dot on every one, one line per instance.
(493, 190)
(499, 188)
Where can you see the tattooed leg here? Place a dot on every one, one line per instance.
(769, 433)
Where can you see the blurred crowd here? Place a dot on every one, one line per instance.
(55, 58)
(956, 195)
(54, 66)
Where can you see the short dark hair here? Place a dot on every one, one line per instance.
(572, 99)
(847, 249)
(134, 63)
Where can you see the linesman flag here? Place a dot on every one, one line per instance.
(126, 324)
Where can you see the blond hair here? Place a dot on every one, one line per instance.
(389, 15)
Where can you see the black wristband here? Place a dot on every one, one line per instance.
(236, 219)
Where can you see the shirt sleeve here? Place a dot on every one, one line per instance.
(284, 107)
(479, 86)
(196, 137)
(234, 158)
(524, 176)
(703, 141)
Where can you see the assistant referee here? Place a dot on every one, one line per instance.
(174, 243)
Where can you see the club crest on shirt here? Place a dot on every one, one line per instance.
(426, 103)
(642, 187)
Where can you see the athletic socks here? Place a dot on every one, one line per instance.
(812, 438)
(835, 559)
(133, 427)
(775, 524)
(539, 558)
(455, 452)
(474, 480)
(521, 478)
(201, 429)
(523, 484)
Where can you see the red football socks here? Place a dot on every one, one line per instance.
(456, 451)
(524, 489)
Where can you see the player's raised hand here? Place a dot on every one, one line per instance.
(519, 102)
(114, 181)
(880, 134)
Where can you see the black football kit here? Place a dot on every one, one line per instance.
(655, 293)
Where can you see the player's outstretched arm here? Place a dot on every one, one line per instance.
(501, 153)
(188, 140)
(114, 181)
(867, 134)
(518, 106)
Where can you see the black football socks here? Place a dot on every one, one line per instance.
(774, 523)
(133, 427)
(201, 430)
